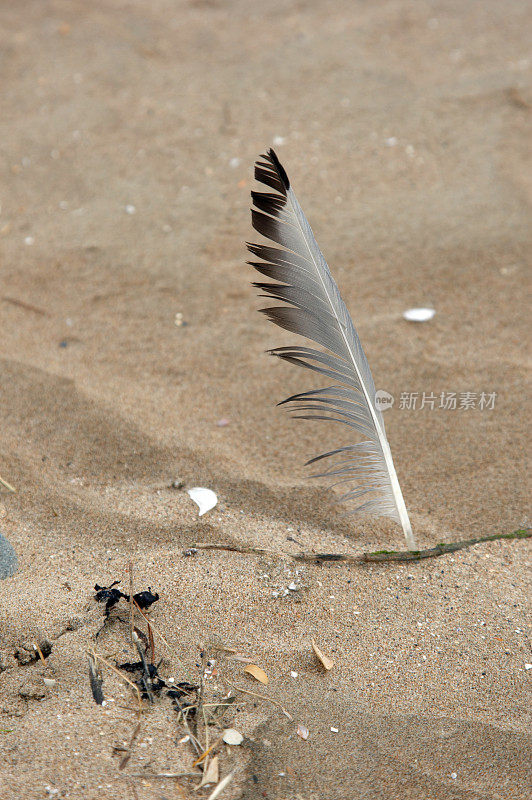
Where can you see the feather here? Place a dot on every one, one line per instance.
(312, 307)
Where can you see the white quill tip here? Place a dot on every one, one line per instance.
(419, 314)
(205, 499)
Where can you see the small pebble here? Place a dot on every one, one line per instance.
(391, 142)
(131, 209)
(235, 162)
(334, 730)
(29, 240)
(279, 140)
(419, 314)
(293, 673)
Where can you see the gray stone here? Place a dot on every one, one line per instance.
(8, 559)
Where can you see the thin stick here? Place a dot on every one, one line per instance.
(120, 674)
(206, 753)
(127, 755)
(260, 697)
(149, 775)
(136, 730)
(221, 786)
(7, 485)
(27, 306)
(158, 632)
(152, 644)
(131, 602)
(198, 747)
(39, 651)
(377, 557)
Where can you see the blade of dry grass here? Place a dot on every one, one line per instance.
(260, 697)
(7, 485)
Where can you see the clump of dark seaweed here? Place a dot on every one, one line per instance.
(111, 596)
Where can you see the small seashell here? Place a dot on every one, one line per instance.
(205, 499)
(232, 736)
(419, 314)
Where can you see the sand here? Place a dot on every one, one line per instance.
(128, 135)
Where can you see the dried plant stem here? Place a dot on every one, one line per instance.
(206, 753)
(127, 755)
(22, 304)
(221, 786)
(376, 557)
(260, 697)
(156, 630)
(98, 657)
(194, 741)
(132, 603)
(7, 485)
(39, 651)
(150, 775)
(136, 730)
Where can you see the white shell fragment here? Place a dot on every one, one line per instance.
(232, 736)
(49, 682)
(419, 314)
(205, 499)
(326, 662)
(302, 732)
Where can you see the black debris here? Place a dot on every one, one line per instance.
(146, 598)
(109, 595)
(150, 683)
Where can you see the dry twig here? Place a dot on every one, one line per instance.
(23, 304)
(377, 557)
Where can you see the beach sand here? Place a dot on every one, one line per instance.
(129, 131)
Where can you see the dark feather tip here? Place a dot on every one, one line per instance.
(279, 167)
